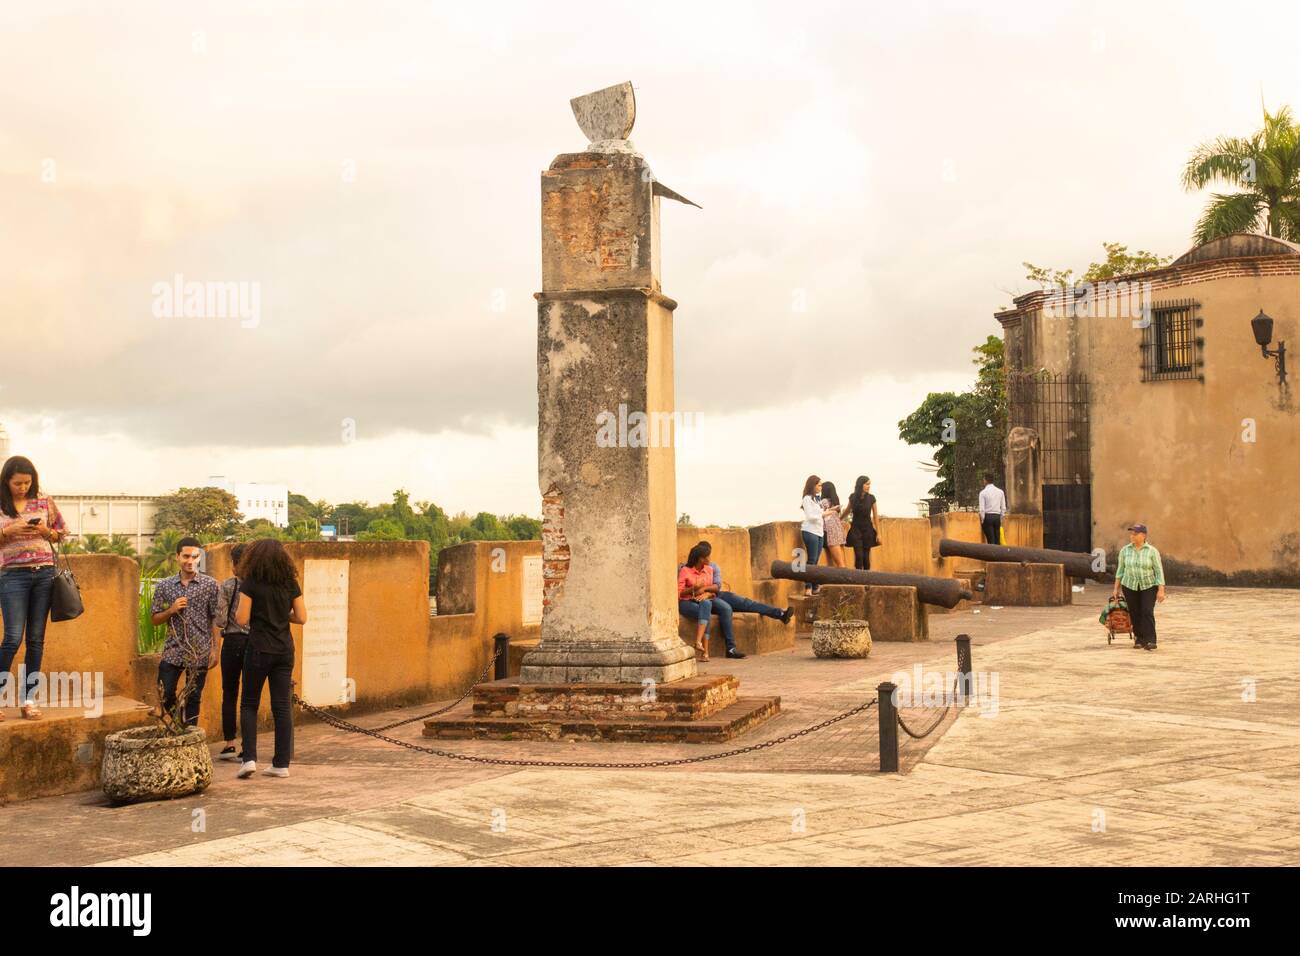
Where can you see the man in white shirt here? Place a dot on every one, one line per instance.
(993, 505)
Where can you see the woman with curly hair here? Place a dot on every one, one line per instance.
(269, 601)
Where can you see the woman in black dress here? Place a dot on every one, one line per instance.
(863, 535)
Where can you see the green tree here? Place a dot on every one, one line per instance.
(1118, 262)
(353, 517)
(524, 528)
(1264, 168)
(966, 429)
(198, 510)
(383, 529)
(94, 544)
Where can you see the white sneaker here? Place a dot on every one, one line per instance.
(276, 771)
(247, 769)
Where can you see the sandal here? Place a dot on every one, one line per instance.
(30, 712)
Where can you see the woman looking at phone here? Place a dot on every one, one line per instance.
(30, 526)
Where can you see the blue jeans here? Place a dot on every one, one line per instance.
(812, 543)
(25, 603)
(728, 603)
(697, 611)
(744, 605)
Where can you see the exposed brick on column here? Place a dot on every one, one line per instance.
(555, 548)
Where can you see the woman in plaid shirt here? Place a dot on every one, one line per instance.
(1141, 576)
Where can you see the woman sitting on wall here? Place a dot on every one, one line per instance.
(694, 587)
(269, 601)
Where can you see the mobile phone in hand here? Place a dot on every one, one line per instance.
(33, 520)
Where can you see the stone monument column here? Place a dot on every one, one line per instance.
(606, 464)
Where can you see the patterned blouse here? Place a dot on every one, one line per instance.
(31, 550)
(199, 615)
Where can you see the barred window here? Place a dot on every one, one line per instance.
(1171, 349)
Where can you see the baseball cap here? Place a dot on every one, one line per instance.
(1140, 528)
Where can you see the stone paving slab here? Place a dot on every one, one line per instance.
(1161, 746)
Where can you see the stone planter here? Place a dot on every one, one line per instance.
(841, 639)
(144, 764)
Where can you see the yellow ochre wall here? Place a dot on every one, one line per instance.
(1174, 454)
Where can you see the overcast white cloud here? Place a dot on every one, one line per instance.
(872, 177)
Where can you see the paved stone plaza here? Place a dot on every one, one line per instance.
(1098, 755)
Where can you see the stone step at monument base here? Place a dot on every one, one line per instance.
(735, 719)
(63, 751)
(695, 710)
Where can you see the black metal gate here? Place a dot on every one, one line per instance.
(1056, 406)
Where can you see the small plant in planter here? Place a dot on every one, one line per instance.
(167, 758)
(841, 635)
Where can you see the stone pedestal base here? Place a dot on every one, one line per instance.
(608, 662)
(694, 710)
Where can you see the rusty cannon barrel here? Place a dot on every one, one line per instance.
(1077, 565)
(945, 592)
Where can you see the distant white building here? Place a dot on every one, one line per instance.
(257, 500)
(107, 515)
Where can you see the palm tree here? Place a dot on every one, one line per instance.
(1265, 167)
(121, 544)
(160, 559)
(94, 544)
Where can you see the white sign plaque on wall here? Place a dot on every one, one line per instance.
(532, 596)
(325, 635)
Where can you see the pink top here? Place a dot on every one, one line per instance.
(31, 550)
(688, 579)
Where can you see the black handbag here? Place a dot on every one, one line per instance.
(65, 595)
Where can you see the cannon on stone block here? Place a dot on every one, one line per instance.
(1076, 564)
(945, 592)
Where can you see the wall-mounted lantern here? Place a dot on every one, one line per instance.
(1262, 326)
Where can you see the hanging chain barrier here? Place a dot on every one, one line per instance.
(442, 710)
(344, 725)
(886, 764)
(934, 726)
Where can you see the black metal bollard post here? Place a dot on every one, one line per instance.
(888, 728)
(966, 679)
(501, 647)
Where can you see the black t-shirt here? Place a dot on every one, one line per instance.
(862, 509)
(268, 626)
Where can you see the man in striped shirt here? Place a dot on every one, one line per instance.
(1141, 577)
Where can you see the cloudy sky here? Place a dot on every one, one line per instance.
(872, 176)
